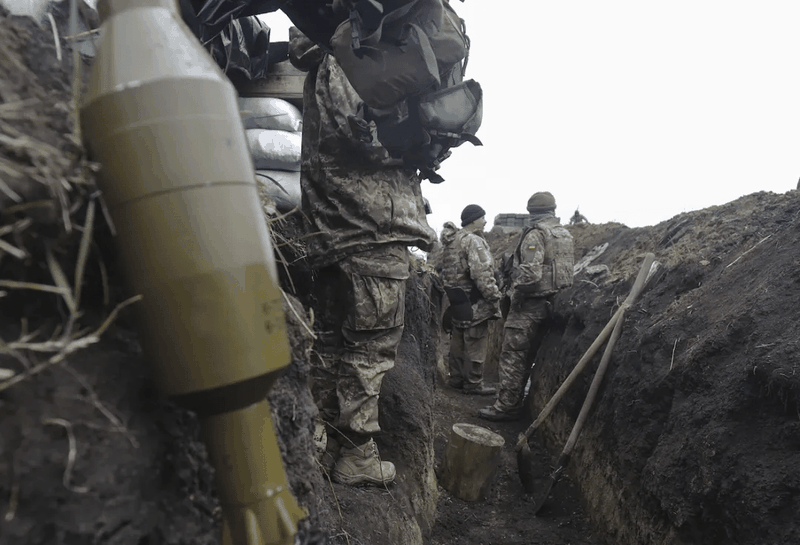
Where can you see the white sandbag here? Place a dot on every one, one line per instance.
(270, 113)
(282, 186)
(274, 150)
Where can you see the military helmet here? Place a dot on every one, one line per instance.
(471, 213)
(542, 201)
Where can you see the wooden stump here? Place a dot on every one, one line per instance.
(470, 461)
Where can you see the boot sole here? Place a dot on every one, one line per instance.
(359, 479)
(500, 417)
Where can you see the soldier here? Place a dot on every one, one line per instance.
(468, 276)
(543, 264)
(577, 218)
(436, 256)
(364, 210)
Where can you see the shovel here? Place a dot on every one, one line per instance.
(563, 459)
(524, 456)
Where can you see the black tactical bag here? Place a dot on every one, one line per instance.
(461, 302)
(407, 63)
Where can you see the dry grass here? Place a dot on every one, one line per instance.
(48, 203)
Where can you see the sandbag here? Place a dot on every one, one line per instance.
(274, 150)
(270, 113)
(282, 187)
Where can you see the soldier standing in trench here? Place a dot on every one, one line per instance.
(364, 209)
(542, 264)
(436, 256)
(439, 299)
(468, 276)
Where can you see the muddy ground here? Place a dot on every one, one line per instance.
(695, 437)
(505, 515)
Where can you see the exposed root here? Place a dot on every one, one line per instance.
(296, 315)
(83, 34)
(105, 411)
(672, 359)
(76, 73)
(55, 35)
(83, 251)
(13, 501)
(335, 497)
(748, 251)
(63, 346)
(73, 452)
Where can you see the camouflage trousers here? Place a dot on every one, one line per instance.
(523, 333)
(359, 345)
(468, 347)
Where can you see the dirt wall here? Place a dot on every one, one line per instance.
(694, 438)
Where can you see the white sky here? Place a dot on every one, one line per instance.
(632, 110)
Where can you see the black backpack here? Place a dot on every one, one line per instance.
(407, 63)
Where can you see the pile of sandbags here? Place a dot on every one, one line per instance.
(273, 128)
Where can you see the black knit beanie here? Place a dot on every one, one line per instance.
(471, 213)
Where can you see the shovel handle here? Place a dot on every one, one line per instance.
(590, 352)
(592, 394)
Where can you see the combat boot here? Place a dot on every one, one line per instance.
(480, 389)
(362, 464)
(496, 415)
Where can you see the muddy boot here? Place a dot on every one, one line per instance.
(362, 464)
(496, 415)
(479, 389)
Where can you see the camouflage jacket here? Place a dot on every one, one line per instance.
(436, 256)
(468, 264)
(355, 197)
(543, 259)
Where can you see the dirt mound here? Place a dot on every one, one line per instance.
(695, 437)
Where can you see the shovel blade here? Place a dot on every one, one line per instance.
(525, 467)
(544, 493)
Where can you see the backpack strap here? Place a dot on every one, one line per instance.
(371, 9)
(471, 138)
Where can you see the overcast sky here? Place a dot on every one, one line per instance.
(632, 110)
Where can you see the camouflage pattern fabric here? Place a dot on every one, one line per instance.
(355, 197)
(350, 362)
(436, 255)
(371, 333)
(532, 289)
(363, 209)
(544, 258)
(468, 349)
(523, 332)
(468, 264)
